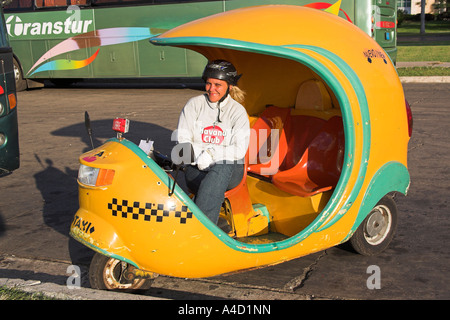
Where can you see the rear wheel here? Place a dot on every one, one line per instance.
(21, 83)
(107, 273)
(377, 230)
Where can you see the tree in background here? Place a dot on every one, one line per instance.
(441, 6)
(422, 16)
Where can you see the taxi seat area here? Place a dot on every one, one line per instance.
(313, 95)
(319, 168)
(268, 142)
(307, 157)
(299, 137)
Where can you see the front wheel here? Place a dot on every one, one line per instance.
(377, 230)
(107, 273)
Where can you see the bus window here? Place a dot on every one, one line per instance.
(20, 5)
(79, 2)
(50, 3)
(9, 136)
(112, 2)
(60, 3)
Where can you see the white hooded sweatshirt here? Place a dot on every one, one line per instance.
(218, 131)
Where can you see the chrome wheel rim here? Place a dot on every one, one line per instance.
(378, 225)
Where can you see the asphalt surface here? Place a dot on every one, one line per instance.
(39, 200)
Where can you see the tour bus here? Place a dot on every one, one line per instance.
(9, 138)
(80, 39)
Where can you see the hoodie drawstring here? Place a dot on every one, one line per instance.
(218, 113)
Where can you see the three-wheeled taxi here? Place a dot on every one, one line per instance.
(329, 133)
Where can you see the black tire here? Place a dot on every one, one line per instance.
(21, 83)
(377, 230)
(106, 273)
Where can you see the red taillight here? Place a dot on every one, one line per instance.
(385, 24)
(409, 118)
(11, 98)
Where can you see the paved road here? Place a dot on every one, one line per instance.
(38, 201)
(419, 39)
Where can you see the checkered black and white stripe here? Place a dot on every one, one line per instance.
(147, 211)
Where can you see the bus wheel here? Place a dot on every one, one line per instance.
(21, 83)
(106, 273)
(377, 230)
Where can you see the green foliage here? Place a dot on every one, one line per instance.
(16, 294)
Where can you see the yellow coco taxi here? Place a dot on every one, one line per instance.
(332, 99)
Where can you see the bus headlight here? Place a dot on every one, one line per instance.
(95, 177)
(1, 108)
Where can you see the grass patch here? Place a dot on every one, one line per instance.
(408, 28)
(424, 53)
(431, 47)
(16, 294)
(423, 72)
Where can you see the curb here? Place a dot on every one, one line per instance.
(62, 292)
(434, 79)
(50, 279)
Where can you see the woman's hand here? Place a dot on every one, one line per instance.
(205, 160)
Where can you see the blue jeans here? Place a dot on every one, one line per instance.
(209, 186)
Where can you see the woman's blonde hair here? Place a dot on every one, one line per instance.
(237, 94)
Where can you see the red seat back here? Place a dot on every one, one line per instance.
(268, 143)
(326, 154)
(320, 166)
(301, 133)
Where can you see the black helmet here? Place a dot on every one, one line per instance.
(222, 70)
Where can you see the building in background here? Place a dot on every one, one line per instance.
(413, 6)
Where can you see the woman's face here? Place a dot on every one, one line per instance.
(216, 89)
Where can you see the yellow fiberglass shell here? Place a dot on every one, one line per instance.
(276, 48)
(136, 220)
